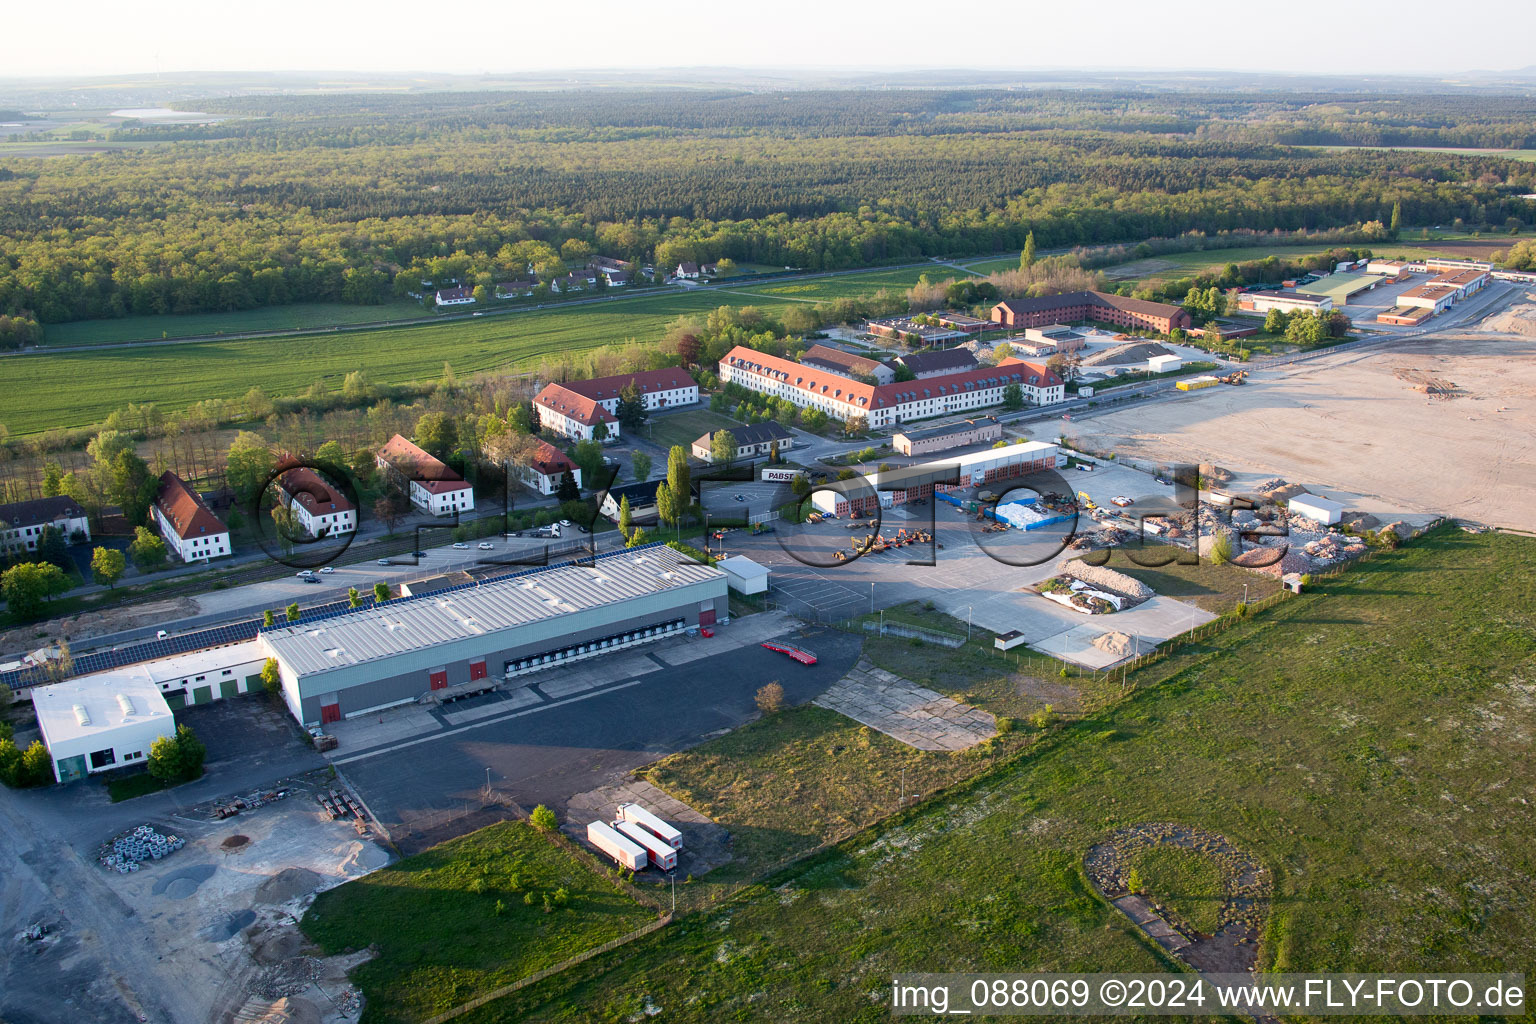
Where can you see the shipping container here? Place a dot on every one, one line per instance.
(1196, 383)
(644, 818)
(662, 855)
(623, 850)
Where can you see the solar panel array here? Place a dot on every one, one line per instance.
(185, 643)
(330, 611)
(218, 636)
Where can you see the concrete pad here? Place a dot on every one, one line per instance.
(705, 844)
(915, 715)
(517, 699)
(381, 727)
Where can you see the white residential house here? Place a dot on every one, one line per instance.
(573, 409)
(190, 529)
(22, 522)
(431, 485)
(321, 509)
(687, 271)
(460, 296)
(545, 468)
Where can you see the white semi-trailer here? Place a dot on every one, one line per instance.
(662, 855)
(648, 821)
(625, 851)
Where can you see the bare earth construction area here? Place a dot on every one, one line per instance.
(1363, 425)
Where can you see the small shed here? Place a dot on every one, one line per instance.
(744, 575)
(1164, 364)
(1323, 510)
(1291, 581)
(1009, 640)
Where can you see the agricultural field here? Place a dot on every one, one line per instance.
(1192, 264)
(191, 325)
(845, 286)
(1359, 741)
(468, 916)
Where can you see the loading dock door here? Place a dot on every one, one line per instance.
(707, 618)
(330, 713)
(202, 694)
(176, 699)
(477, 670)
(438, 679)
(71, 768)
(229, 688)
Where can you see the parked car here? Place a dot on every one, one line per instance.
(582, 529)
(304, 572)
(741, 497)
(486, 545)
(311, 579)
(327, 570)
(459, 545)
(385, 561)
(565, 522)
(419, 554)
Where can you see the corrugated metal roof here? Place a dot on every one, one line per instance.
(413, 624)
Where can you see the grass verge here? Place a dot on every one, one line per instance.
(468, 916)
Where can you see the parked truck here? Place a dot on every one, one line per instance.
(622, 849)
(645, 819)
(661, 855)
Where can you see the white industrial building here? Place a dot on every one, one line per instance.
(899, 486)
(1164, 364)
(1285, 302)
(94, 723)
(476, 634)
(744, 575)
(193, 678)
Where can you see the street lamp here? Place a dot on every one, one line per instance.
(871, 597)
(967, 623)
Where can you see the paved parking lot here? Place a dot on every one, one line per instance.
(720, 498)
(553, 750)
(976, 576)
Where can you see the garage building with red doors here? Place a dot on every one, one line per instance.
(362, 660)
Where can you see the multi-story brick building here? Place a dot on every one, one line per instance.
(1100, 306)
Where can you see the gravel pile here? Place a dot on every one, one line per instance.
(1106, 579)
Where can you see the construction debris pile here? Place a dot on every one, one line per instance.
(126, 852)
(1133, 590)
(1437, 388)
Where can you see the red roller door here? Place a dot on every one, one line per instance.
(707, 618)
(438, 679)
(330, 713)
(477, 670)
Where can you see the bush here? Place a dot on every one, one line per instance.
(22, 768)
(1042, 718)
(770, 698)
(1221, 549)
(1004, 725)
(543, 819)
(177, 758)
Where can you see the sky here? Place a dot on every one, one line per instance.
(1415, 37)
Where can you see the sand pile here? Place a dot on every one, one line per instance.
(1116, 643)
(287, 884)
(1519, 319)
(287, 1010)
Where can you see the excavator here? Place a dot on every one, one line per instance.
(1235, 377)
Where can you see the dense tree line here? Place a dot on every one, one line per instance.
(359, 198)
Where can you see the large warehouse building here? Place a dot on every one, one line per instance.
(910, 483)
(358, 661)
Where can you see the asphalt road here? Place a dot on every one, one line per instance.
(550, 753)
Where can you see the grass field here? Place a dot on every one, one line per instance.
(1192, 264)
(178, 375)
(1367, 742)
(457, 920)
(844, 286)
(685, 427)
(271, 318)
(1185, 883)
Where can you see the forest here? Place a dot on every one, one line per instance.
(360, 198)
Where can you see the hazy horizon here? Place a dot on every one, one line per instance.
(798, 38)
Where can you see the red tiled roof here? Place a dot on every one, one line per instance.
(309, 489)
(184, 508)
(422, 467)
(837, 357)
(561, 399)
(1066, 299)
(881, 396)
(549, 460)
(646, 381)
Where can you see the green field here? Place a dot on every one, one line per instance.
(176, 376)
(844, 286)
(467, 917)
(1368, 743)
(685, 427)
(1508, 154)
(1193, 264)
(268, 318)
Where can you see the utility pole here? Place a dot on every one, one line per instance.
(673, 875)
(967, 623)
(872, 600)
(903, 787)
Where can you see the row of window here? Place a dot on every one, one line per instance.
(564, 654)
